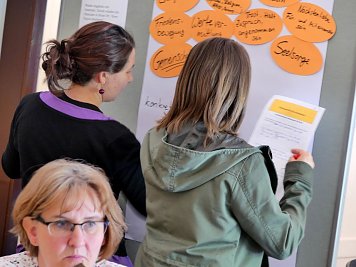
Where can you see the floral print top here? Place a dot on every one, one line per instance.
(23, 259)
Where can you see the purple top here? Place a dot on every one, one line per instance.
(70, 109)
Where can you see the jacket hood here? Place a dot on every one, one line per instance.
(175, 168)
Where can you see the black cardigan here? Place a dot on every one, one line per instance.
(45, 128)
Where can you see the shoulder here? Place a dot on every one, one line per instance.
(116, 128)
(28, 99)
(121, 136)
(105, 263)
(155, 135)
(18, 260)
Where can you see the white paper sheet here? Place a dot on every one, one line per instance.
(286, 123)
(113, 11)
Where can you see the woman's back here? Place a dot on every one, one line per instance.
(47, 128)
(208, 208)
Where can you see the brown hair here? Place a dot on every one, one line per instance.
(61, 181)
(97, 46)
(212, 87)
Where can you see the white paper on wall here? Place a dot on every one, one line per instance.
(113, 11)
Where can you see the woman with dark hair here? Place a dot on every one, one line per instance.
(97, 62)
(209, 197)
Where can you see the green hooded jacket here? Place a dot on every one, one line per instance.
(214, 206)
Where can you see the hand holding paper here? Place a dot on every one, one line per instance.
(302, 155)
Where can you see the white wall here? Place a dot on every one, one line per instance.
(2, 19)
(347, 243)
(49, 32)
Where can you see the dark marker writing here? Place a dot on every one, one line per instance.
(291, 54)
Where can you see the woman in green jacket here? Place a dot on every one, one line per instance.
(209, 197)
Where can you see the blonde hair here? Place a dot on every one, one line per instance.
(62, 180)
(212, 87)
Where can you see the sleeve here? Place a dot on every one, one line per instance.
(277, 227)
(126, 173)
(10, 160)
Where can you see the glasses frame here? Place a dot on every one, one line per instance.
(41, 220)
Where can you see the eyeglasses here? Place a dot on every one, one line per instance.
(63, 228)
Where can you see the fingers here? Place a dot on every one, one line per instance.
(302, 155)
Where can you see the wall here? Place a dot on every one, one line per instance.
(331, 142)
(49, 32)
(347, 242)
(18, 71)
(2, 18)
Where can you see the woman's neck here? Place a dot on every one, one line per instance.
(86, 94)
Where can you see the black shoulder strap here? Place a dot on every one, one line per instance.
(267, 154)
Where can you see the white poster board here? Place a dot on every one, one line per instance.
(267, 80)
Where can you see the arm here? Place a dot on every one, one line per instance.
(126, 171)
(277, 227)
(10, 160)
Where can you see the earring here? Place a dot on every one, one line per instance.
(101, 90)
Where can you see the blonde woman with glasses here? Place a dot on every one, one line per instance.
(66, 216)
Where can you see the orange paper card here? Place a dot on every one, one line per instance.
(296, 56)
(309, 22)
(257, 26)
(230, 6)
(169, 60)
(176, 5)
(211, 23)
(171, 28)
(279, 3)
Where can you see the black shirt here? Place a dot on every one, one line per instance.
(45, 128)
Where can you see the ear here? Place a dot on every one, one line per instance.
(30, 227)
(101, 77)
